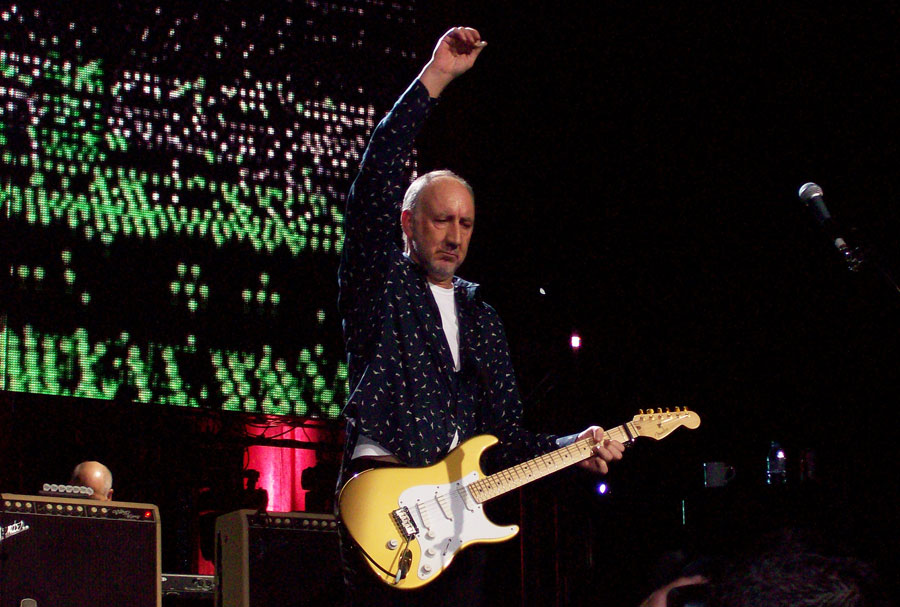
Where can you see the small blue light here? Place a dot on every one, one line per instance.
(602, 488)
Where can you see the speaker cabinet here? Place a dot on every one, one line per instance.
(78, 553)
(290, 559)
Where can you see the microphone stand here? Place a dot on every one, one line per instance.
(861, 256)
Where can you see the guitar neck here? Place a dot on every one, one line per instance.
(516, 476)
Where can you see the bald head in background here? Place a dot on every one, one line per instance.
(96, 476)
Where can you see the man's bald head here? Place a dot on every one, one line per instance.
(96, 476)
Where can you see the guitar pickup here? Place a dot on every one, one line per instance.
(405, 523)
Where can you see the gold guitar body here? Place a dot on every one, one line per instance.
(424, 515)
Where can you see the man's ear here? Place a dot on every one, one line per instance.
(406, 219)
(109, 495)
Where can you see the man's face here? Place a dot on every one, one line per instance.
(438, 229)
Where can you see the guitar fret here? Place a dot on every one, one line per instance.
(632, 431)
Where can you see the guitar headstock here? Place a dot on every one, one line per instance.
(657, 424)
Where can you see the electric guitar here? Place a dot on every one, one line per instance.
(410, 522)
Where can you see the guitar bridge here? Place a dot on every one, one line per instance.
(405, 523)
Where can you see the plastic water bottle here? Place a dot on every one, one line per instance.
(776, 465)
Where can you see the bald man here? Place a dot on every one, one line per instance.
(96, 476)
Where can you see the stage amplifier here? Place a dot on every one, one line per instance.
(78, 552)
(290, 559)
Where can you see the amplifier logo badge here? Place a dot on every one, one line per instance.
(14, 529)
(126, 514)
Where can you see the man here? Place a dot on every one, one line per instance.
(428, 359)
(96, 476)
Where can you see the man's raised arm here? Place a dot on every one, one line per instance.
(372, 213)
(454, 54)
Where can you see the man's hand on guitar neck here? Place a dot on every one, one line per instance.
(605, 451)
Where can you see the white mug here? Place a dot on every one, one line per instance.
(717, 474)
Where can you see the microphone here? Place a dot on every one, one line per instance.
(813, 197)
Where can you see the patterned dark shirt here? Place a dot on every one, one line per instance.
(405, 394)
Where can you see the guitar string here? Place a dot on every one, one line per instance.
(493, 485)
(497, 483)
(439, 502)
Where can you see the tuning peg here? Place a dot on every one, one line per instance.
(677, 409)
(667, 410)
(650, 411)
(640, 411)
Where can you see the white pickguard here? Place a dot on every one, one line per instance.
(447, 517)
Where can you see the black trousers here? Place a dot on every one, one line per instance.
(461, 585)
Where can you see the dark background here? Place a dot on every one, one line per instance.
(641, 165)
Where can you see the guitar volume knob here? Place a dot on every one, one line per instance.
(392, 544)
